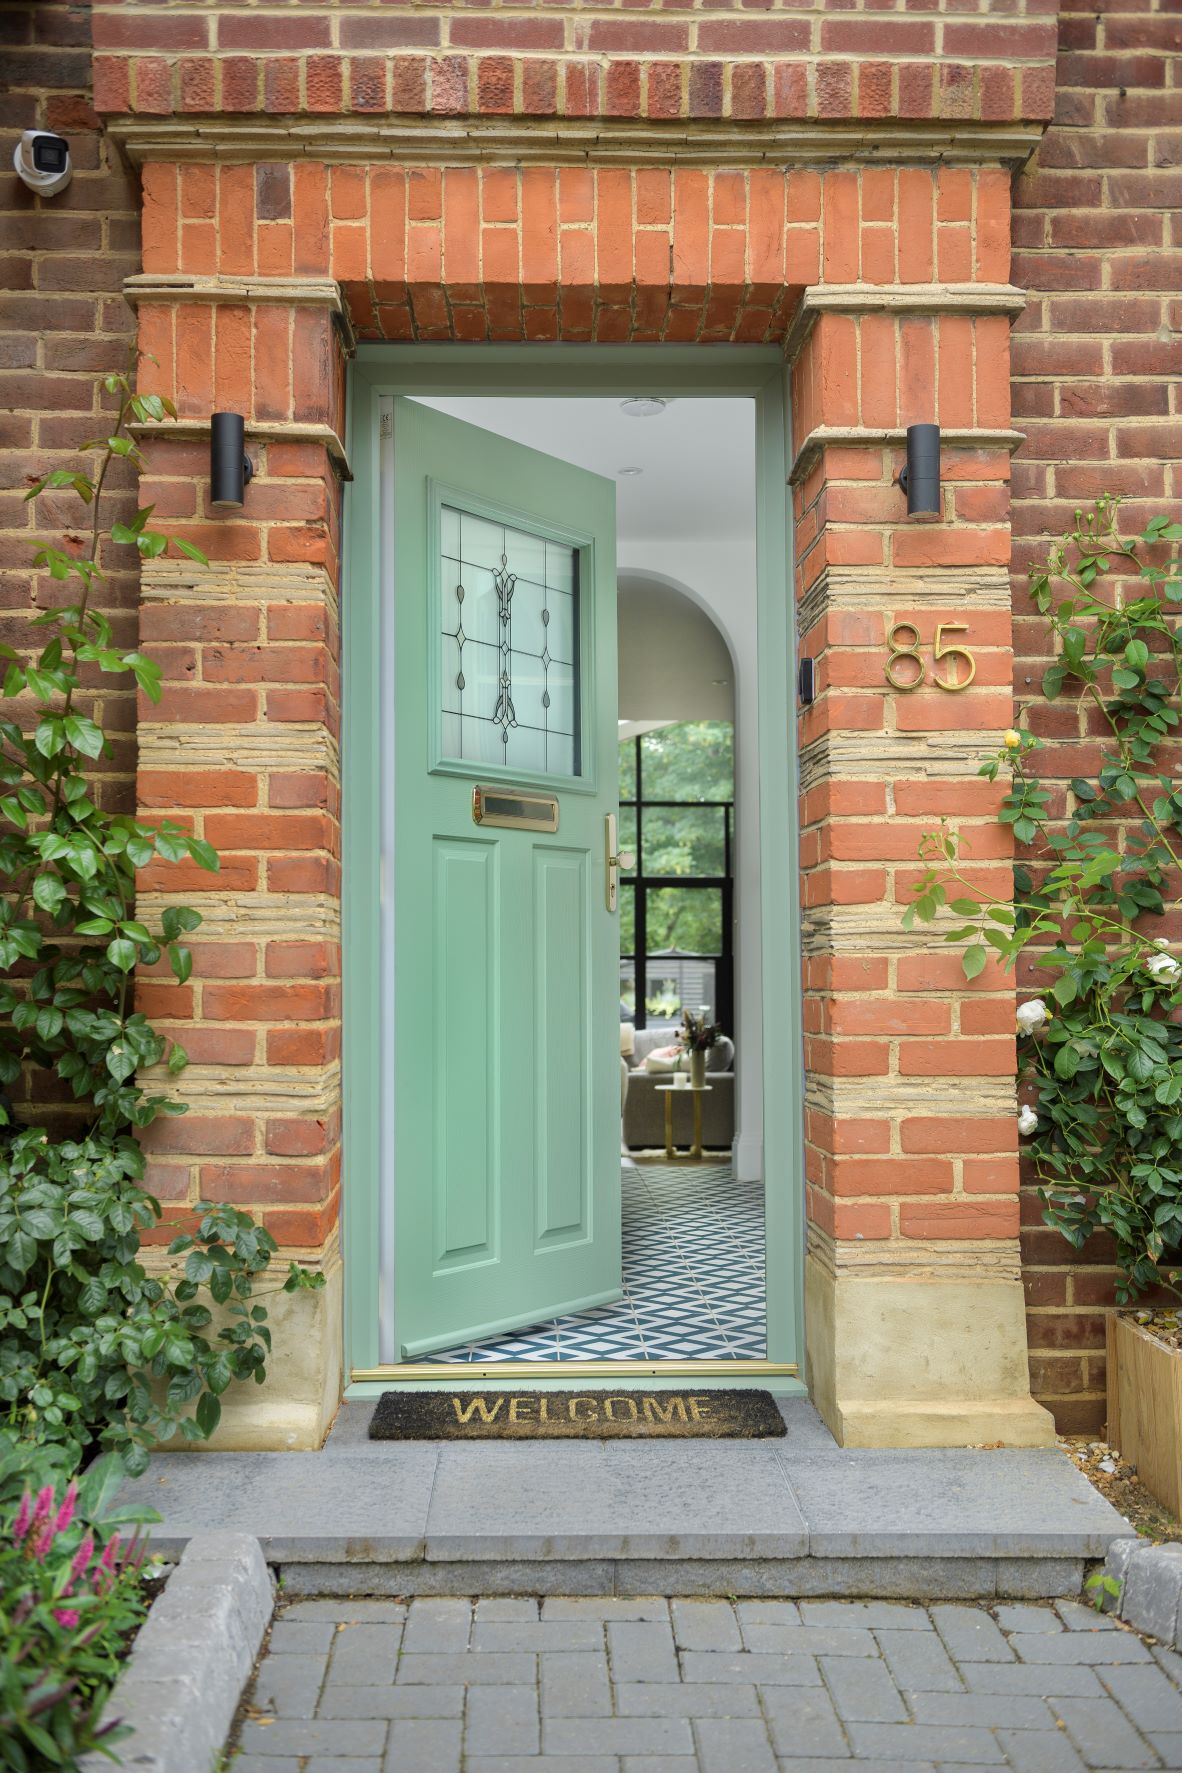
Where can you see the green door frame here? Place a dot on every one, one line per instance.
(377, 374)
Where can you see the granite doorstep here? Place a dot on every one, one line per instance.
(601, 1499)
(935, 1502)
(301, 1507)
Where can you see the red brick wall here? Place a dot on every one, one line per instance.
(1096, 363)
(1096, 244)
(63, 322)
(581, 58)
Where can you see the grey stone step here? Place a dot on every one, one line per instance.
(799, 1516)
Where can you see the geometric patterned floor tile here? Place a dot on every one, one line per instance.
(693, 1249)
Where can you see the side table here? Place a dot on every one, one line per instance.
(697, 1092)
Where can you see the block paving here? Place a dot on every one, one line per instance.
(594, 1685)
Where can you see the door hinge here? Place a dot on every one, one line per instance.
(386, 425)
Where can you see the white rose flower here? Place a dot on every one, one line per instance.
(1164, 967)
(1027, 1121)
(1031, 1016)
(1161, 941)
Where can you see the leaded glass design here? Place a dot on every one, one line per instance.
(509, 620)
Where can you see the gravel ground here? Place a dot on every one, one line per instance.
(1118, 1482)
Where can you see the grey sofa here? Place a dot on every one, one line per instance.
(644, 1109)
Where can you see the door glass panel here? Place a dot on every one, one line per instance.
(685, 920)
(509, 653)
(685, 840)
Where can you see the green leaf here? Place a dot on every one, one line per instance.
(203, 854)
(973, 960)
(49, 737)
(122, 954)
(48, 892)
(84, 735)
(190, 550)
(209, 1413)
(181, 961)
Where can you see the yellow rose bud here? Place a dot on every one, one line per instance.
(1012, 740)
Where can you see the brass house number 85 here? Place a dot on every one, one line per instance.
(905, 645)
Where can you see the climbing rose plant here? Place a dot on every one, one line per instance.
(1102, 1047)
(94, 1350)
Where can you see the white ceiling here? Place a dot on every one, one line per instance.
(697, 457)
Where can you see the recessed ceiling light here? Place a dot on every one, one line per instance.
(643, 406)
(629, 471)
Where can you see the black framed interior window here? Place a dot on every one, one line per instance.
(677, 815)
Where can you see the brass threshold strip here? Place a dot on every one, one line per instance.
(454, 1371)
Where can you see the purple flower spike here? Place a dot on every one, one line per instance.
(24, 1515)
(65, 1513)
(44, 1505)
(82, 1557)
(67, 1616)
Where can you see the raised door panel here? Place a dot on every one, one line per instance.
(466, 1213)
(562, 1056)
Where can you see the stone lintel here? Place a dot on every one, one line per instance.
(577, 141)
(186, 286)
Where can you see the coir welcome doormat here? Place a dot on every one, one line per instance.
(575, 1415)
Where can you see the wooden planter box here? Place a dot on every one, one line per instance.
(1145, 1407)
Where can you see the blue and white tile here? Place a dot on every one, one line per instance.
(693, 1272)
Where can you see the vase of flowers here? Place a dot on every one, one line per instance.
(696, 1037)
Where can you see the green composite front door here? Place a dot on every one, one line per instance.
(506, 1047)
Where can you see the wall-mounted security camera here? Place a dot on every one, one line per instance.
(42, 161)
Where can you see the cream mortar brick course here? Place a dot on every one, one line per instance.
(256, 917)
(916, 1258)
(261, 749)
(315, 1091)
(888, 588)
(874, 929)
(891, 757)
(230, 581)
(859, 1098)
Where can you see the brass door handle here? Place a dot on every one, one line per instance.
(615, 860)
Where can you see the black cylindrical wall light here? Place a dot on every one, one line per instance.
(920, 479)
(229, 466)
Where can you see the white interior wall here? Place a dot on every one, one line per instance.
(720, 578)
(687, 521)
